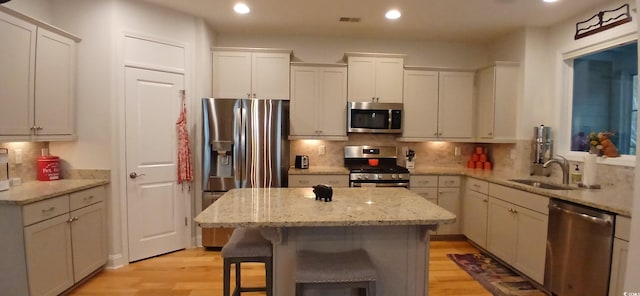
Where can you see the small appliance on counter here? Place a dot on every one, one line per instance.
(4, 169)
(542, 150)
(302, 162)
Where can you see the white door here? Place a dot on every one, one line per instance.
(155, 203)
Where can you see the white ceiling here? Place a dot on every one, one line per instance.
(450, 20)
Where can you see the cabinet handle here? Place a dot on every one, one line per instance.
(439, 134)
(248, 95)
(254, 95)
(485, 200)
(476, 185)
(490, 134)
(44, 211)
(303, 181)
(88, 198)
(435, 134)
(72, 219)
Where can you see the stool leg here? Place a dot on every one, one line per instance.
(227, 278)
(238, 278)
(268, 265)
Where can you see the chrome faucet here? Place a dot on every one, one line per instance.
(564, 164)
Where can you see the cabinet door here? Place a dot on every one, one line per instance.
(231, 74)
(475, 215)
(88, 239)
(449, 199)
(304, 96)
(388, 79)
(270, 75)
(332, 106)
(531, 243)
(361, 79)
(506, 97)
(455, 105)
(16, 76)
(430, 194)
(55, 84)
(420, 104)
(48, 252)
(501, 229)
(618, 267)
(485, 110)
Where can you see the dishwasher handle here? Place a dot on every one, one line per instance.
(607, 220)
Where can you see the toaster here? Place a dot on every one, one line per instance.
(302, 162)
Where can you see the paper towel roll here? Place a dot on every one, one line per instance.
(589, 176)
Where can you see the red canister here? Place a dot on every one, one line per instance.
(48, 168)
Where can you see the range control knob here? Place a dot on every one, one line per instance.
(400, 176)
(359, 177)
(366, 177)
(394, 176)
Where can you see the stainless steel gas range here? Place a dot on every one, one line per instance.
(374, 166)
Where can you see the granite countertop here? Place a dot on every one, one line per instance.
(319, 170)
(618, 200)
(30, 192)
(297, 207)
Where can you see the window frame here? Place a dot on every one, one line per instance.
(565, 116)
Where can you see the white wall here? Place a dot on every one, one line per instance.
(332, 49)
(38, 9)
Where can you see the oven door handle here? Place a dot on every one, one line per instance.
(399, 184)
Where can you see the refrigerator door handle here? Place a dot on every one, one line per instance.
(238, 134)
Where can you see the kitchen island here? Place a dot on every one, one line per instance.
(391, 224)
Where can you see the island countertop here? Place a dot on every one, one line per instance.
(297, 207)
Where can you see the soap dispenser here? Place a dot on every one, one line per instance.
(576, 175)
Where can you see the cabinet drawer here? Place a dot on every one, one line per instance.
(449, 181)
(42, 210)
(430, 194)
(538, 203)
(478, 185)
(87, 197)
(623, 227)
(423, 181)
(311, 180)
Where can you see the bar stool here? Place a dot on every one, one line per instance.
(351, 269)
(247, 245)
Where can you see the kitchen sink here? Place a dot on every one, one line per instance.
(543, 185)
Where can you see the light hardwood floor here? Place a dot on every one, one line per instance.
(197, 272)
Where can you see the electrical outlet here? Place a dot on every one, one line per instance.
(322, 150)
(456, 151)
(18, 156)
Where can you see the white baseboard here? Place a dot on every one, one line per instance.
(116, 261)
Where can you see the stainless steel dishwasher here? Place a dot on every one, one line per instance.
(579, 246)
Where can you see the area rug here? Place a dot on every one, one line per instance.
(494, 276)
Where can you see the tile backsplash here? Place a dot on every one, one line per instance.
(27, 170)
(441, 154)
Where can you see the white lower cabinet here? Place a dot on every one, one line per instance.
(63, 241)
(475, 211)
(619, 257)
(443, 191)
(312, 180)
(517, 229)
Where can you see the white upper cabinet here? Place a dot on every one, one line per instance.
(16, 75)
(318, 101)
(37, 80)
(375, 77)
(438, 105)
(497, 101)
(420, 106)
(251, 73)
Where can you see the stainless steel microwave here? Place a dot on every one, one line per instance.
(365, 117)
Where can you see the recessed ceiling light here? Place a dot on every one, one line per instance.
(549, 1)
(241, 8)
(393, 14)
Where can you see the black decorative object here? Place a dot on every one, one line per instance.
(603, 20)
(323, 192)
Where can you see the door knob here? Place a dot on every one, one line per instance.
(134, 175)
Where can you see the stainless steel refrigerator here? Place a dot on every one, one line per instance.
(245, 145)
